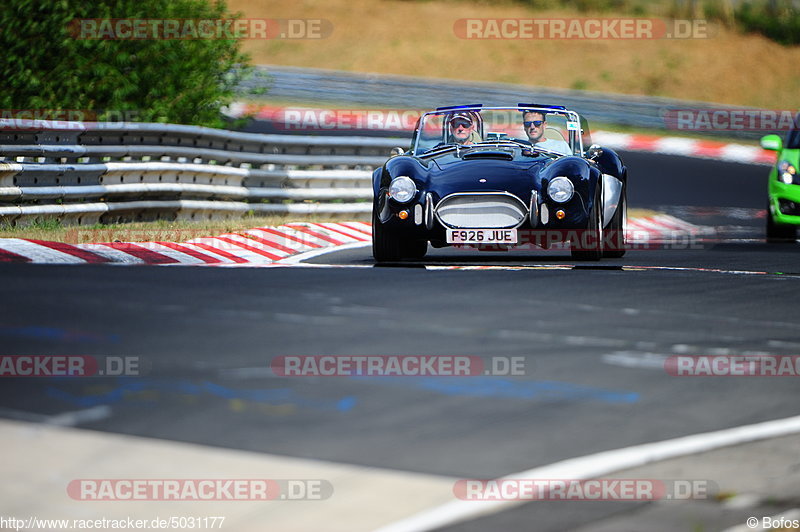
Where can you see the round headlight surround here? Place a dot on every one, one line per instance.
(560, 189)
(402, 189)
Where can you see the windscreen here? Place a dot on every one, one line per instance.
(545, 129)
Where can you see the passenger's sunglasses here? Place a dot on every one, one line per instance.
(536, 123)
(461, 123)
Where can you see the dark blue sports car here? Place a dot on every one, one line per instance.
(498, 178)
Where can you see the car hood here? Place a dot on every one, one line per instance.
(451, 173)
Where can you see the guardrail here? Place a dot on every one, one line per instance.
(85, 173)
(403, 92)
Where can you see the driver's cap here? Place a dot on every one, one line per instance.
(462, 116)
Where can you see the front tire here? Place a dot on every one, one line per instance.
(388, 247)
(592, 247)
(779, 233)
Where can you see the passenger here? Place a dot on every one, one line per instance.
(535, 124)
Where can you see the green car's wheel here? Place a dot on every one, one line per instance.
(779, 233)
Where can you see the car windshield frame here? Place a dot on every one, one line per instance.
(575, 139)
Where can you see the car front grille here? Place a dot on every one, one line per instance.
(481, 210)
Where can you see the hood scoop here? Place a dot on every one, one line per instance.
(489, 154)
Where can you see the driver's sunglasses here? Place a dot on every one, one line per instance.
(536, 123)
(461, 123)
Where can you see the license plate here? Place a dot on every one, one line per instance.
(481, 236)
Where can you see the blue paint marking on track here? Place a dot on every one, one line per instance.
(277, 396)
(494, 387)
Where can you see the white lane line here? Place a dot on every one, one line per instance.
(66, 419)
(782, 343)
(629, 359)
(296, 259)
(594, 465)
(72, 419)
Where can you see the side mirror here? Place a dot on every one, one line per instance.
(771, 142)
(594, 152)
(396, 151)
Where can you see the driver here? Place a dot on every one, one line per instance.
(535, 123)
(462, 129)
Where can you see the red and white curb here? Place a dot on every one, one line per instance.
(299, 119)
(262, 245)
(704, 149)
(285, 244)
(664, 228)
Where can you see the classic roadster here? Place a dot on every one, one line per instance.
(497, 178)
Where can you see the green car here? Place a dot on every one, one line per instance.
(783, 208)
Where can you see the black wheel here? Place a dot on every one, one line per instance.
(617, 228)
(779, 233)
(387, 247)
(591, 245)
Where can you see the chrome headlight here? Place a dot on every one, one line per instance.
(402, 189)
(786, 172)
(560, 189)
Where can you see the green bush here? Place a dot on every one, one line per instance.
(45, 67)
(779, 21)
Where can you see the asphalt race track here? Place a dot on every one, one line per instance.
(594, 337)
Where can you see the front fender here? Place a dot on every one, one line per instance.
(397, 166)
(382, 178)
(583, 175)
(611, 164)
(615, 177)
